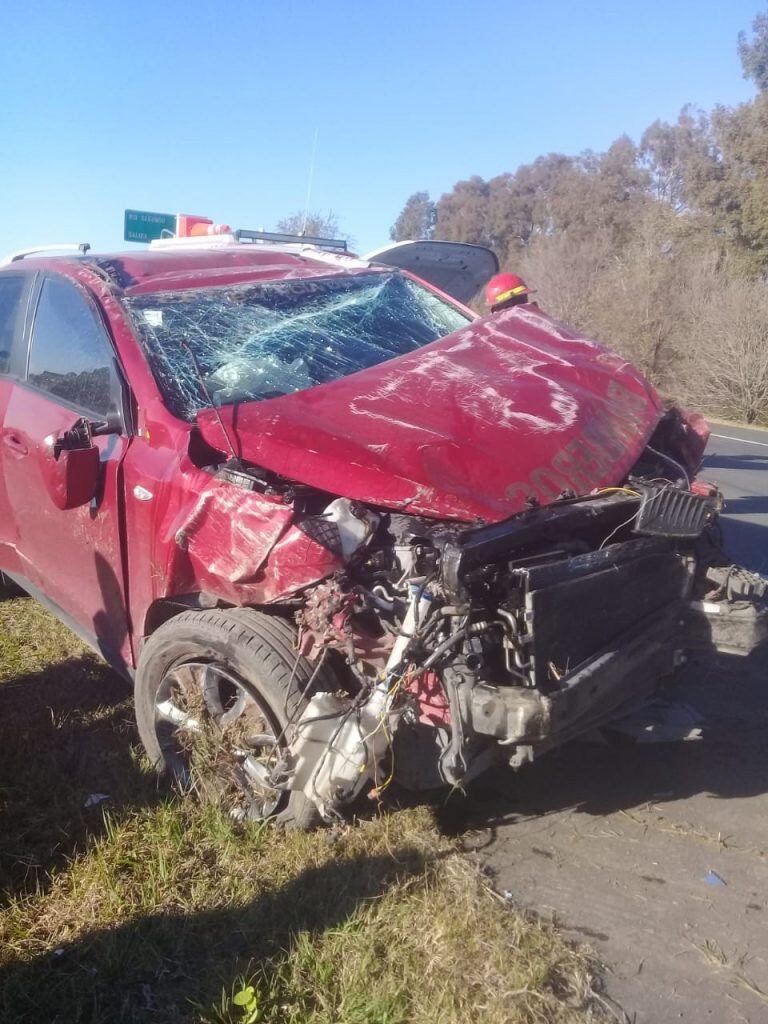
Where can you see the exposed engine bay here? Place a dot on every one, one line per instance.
(490, 544)
(455, 647)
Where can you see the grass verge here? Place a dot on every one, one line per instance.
(142, 907)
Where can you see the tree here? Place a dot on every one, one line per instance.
(549, 181)
(416, 220)
(311, 223)
(521, 205)
(565, 270)
(742, 199)
(677, 156)
(462, 213)
(728, 361)
(640, 304)
(754, 54)
(627, 296)
(607, 192)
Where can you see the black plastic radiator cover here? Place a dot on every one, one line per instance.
(578, 608)
(669, 512)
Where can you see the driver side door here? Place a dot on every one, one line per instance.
(71, 559)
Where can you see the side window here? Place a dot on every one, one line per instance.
(11, 290)
(70, 355)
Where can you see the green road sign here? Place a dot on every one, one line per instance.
(141, 226)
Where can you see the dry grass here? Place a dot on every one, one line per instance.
(147, 908)
(733, 966)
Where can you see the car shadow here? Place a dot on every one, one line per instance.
(110, 622)
(9, 589)
(744, 542)
(740, 461)
(728, 762)
(67, 742)
(159, 965)
(747, 505)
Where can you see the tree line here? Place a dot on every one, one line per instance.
(659, 248)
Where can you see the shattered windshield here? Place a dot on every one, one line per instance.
(258, 341)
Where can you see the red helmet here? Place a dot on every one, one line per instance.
(503, 287)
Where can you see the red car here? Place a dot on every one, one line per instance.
(338, 529)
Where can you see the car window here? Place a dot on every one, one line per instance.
(11, 289)
(70, 355)
(246, 343)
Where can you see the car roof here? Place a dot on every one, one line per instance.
(168, 270)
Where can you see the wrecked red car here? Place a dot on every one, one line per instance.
(340, 531)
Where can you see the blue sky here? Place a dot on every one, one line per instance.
(212, 108)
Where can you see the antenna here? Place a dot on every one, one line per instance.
(310, 181)
(201, 381)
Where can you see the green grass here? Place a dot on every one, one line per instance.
(150, 908)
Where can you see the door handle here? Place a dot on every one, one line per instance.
(16, 445)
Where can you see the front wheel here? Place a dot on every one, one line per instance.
(215, 694)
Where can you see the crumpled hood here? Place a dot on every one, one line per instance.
(514, 406)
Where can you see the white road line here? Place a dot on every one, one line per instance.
(744, 440)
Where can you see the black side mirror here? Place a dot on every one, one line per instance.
(82, 432)
(113, 424)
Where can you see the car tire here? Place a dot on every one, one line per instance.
(256, 651)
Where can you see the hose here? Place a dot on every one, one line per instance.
(446, 645)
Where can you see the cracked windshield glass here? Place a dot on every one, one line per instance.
(253, 342)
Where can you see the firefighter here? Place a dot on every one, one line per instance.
(506, 290)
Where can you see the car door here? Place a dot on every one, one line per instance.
(73, 557)
(15, 289)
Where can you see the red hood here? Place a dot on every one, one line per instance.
(513, 406)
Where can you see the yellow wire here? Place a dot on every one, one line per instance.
(380, 789)
(620, 490)
(404, 679)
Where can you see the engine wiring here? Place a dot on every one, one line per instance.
(646, 499)
(415, 618)
(364, 739)
(407, 677)
(619, 490)
(616, 529)
(672, 462)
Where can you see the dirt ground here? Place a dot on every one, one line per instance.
(616, 844)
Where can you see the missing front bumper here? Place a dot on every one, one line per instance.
(587, 697)
(628, 672)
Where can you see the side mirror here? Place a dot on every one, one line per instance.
(74, 477)
(71, 468)
(113, 424)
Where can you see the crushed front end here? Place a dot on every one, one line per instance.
(458, 647)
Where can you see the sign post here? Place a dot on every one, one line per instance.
(142, 226)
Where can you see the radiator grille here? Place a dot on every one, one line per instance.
(591, 600)
(672, 513)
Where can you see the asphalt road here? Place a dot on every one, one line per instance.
(656, 855)
(737, 460)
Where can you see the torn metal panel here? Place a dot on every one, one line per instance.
(240, 545)
(296, 562)
(220, 537)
